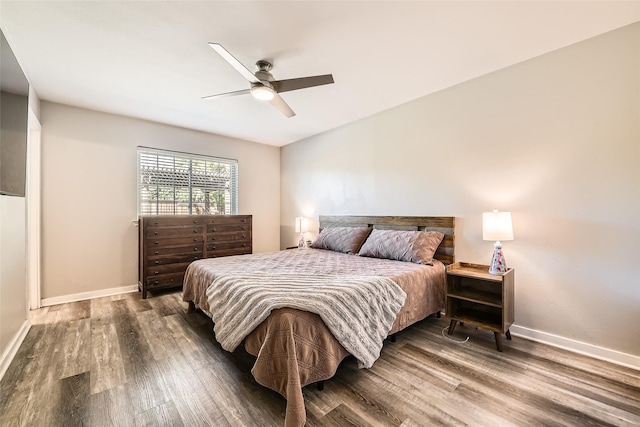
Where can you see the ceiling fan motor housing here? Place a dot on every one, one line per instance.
(263, 73)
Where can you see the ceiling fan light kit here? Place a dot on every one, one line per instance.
(262, 92)
(263, 86)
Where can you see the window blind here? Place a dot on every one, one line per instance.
(175, 183)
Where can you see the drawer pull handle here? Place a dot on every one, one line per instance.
(195, 222)
(213, 229)
(195, 231)
(156, 272)
(195, 240)
(155, 243)
(156, 282)
(195, 249)
(195, 257)
(155, 233)
(157, 262)
(156, 253)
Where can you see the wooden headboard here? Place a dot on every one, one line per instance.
(443, 224)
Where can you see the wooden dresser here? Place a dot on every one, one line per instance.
(167, 244)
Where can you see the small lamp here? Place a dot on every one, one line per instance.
(497, 226)
(302, 226)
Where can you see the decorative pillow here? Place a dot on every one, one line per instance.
(341, 239)
(426, 245)
(410, 246)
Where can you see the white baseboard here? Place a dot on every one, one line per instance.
(613, 356)
(12, 349)
(88, 295)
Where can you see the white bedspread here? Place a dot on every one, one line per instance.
(359, 311)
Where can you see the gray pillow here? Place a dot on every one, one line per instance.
(410, 246)
(341, 239)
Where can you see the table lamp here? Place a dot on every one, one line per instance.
(302, 226)
(497, 226)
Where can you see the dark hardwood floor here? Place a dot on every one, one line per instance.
(124, 361)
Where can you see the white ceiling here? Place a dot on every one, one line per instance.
(151, 60)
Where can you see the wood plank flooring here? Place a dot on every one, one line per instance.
(124, 361)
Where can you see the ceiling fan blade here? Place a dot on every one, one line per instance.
(301, 83)
(234, 93)
(234, 62)
(282, 106)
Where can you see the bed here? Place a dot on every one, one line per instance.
(295, 347)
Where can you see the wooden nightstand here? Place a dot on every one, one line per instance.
(481, 299)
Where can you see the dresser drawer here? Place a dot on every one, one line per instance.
(226, 228)
(228, 236)
(195, 240)
(167, 269)
(214, 253)
(165, 280)
(172, 232)
(173, 259)
(227, 245)
(229, 220)
(195, 249)
(173, 221)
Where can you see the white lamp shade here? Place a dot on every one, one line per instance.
(302, 225)
(497, 226)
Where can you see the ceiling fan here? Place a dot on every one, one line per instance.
(263, 86)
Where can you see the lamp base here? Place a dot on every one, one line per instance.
(498, 264)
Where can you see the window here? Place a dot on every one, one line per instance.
(174, 183)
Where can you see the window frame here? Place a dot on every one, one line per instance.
(173, 178)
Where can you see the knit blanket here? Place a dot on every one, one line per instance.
(358, 310)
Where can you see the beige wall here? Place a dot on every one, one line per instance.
(89, 193)
(555, 140)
